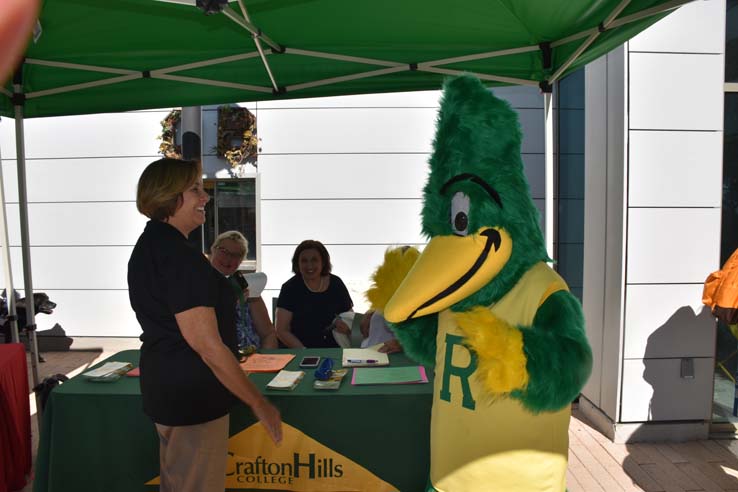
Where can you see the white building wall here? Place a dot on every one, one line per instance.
(604, 197)
(82, 173)
(661, 222)
(347, 171)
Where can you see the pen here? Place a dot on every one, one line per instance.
(356, 361)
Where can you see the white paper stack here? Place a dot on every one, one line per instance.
(356, 357)
(110, 371)
(286, 380)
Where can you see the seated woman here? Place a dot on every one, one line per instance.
(310, 302)
(254, 328)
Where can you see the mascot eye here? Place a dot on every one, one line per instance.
(460, 214)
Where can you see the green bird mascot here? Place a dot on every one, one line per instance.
(503, 331)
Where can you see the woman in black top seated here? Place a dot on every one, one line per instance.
(310, 302)
(189, 374)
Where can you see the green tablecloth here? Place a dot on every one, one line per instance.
(95, 436)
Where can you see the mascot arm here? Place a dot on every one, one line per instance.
(418, 338)
(559, 359)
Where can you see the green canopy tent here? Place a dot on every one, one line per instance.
(116, 55)
(122, 55)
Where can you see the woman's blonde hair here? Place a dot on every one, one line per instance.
(161, 185)
(235, 236)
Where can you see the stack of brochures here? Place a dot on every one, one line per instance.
(286, 380)
(353, 357)
(333, 382)
(108, 372)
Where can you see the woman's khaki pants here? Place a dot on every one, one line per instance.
(192, 458)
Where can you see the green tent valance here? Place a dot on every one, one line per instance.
(116, 55)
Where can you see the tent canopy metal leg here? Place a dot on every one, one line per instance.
(20, 146)
(5, 243)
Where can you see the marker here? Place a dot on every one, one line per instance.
(368, 361)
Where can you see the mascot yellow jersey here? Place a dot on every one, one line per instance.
(523, 452)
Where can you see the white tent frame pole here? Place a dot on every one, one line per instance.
(9, 291)
(482, 56)
(549, 173)
(648, 13)
(214, 83)
(346, 58)
(345, 78)
(86, 85)
(20, 150)
(577, 53)
(78, 66)
(207, 63)
(266, 64)
(257, 42)
(255, 31)
(621, 22)
(574, 57)
(481, 76)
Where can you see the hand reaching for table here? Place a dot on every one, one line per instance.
(270, 418)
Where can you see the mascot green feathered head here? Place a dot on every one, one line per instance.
(477, 211)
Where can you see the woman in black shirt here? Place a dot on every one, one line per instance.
(189, 374)
(310, 302)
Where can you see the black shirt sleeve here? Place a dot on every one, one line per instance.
(343, 294)
(189, 281)
(288, 296)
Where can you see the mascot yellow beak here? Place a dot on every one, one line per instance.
(450, 269)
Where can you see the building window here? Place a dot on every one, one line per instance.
(570, 192)
(232, 206)
(724, 408)
(731, 41)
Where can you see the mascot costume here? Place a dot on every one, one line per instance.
(480, 304)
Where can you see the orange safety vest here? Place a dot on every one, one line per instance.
(721, 291)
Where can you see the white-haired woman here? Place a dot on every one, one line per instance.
(254, 328)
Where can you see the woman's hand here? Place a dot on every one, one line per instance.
(199, 328)
(391, 347)
(270, 418)
(342, 327)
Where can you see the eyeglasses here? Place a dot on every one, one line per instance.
(229, 254)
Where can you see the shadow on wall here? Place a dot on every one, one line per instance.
(682, 391)
(682, 387)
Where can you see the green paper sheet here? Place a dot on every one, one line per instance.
(388, 375)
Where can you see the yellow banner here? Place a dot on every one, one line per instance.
(300, 464)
